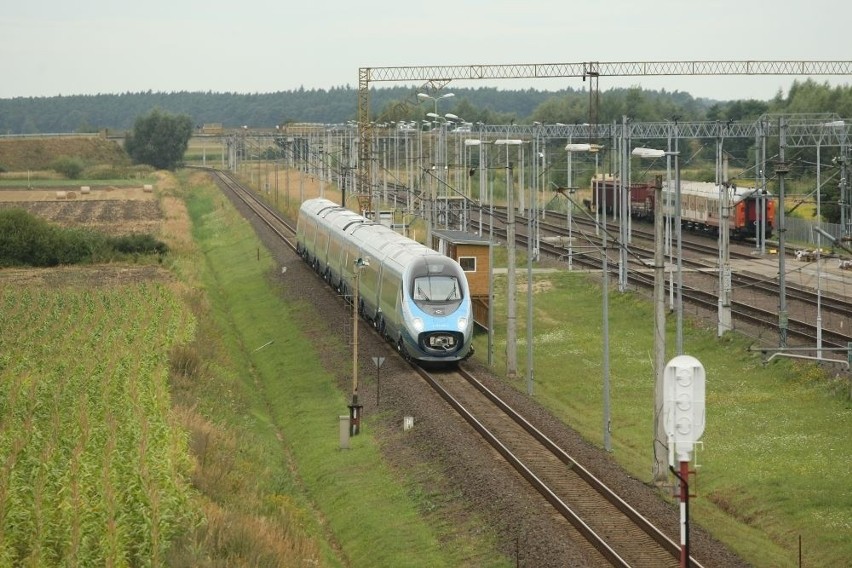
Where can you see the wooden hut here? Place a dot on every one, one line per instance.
(471, 251)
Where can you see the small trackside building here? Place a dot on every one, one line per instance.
(471, 251)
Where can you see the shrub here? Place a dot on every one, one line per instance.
(26, 240)
(67, 166)
(23, 238)
(138, 244)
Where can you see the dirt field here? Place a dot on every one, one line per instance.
(114, 211)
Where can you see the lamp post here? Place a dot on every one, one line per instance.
(833, 124)
(458, 182)
(469, 167)
(594, 148)
(355, 407)
(571, 149)
(424, 97)
(429, 217)
(654, 153)
(511, 316)
(660, 435)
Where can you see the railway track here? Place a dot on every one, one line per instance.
(609, 531)
(272, 218)
(613, 531)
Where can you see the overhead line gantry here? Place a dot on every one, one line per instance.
(440, 75)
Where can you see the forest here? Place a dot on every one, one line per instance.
(117, 112)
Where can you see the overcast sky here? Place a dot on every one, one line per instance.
(53, 47)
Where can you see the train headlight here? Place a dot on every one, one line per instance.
(417, 324)
(462, 324)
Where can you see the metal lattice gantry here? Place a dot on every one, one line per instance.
(443, 74)
(803, 131)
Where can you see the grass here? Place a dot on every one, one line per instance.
(22, 154)
(774, 465)
(285, 402)
(18, 182)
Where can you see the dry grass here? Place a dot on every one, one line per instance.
(175, 227)
(96, 276)
(18, 154)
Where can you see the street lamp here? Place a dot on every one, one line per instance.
(660, 438)
(355, 407)
(458, 181)
(440, 166)
(425, 97)
(511, 316)
(653, 153)
(571, 148)
(468, 142)
(817, 229)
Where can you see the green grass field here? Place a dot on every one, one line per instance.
(774, 465)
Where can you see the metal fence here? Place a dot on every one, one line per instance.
(801, 231)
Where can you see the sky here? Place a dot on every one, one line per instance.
(57, 47)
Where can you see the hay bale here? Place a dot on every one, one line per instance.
(72, 195)
(85, 190)
(61, 194)
(147, 188)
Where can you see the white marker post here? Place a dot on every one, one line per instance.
(684, 411)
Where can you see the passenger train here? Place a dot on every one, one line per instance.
(751, 211)
(414, 296)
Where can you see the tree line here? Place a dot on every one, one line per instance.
(93, 113)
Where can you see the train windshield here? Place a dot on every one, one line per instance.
(436, 289)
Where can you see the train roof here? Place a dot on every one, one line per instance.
(710, 189)
(374, 239)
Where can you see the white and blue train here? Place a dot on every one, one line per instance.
(414, 296)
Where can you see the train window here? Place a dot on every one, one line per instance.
(436, 289)
(468, 263)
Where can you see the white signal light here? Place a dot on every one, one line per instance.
(683, 404)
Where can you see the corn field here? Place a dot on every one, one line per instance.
(93, 472)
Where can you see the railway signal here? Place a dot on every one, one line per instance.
(684, 411)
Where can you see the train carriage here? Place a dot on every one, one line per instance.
(750, 210)
(414, 296)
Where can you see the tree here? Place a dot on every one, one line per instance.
(159, 139)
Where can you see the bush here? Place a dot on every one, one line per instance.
(26, 240)
(69, 167)
(138, 244)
